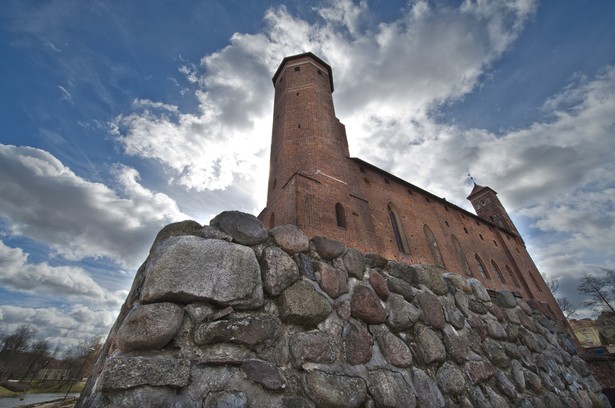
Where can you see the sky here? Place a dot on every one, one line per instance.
(117, 118)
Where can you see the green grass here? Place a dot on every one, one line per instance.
(7, 393)
(36, 389)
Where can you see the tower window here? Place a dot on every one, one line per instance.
(297, 69)
(481, 237)
(497, 271)
(446, 222)
(461, 256)
(398, 230)
(481, 267)
(319, 72)
(433, 247)
(465, 230)
(535, 281)
(512, 276)
(495, 243)
(340, 215)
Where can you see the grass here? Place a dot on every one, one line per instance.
(7, 393)
(39, 389)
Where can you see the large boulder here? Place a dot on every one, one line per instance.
(149, 327)
(302, 304)
(331, 390)
(244, 228)
(187, 269)
(279, 271)
(290, 238)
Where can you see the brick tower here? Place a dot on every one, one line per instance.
(310, 182)
(488, 207)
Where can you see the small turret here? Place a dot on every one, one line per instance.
(488, 207)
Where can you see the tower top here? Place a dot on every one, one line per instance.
(309, 55)
(478, 188)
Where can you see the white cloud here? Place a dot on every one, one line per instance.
(427, 56)
(45, 201)
(62, 327)
(390, 77)
(18, 274)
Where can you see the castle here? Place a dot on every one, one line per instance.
(316, 185)
(253, 313)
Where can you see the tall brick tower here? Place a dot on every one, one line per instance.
(310, 182)
(488, 207)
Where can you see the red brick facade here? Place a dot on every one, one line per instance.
(313, 183)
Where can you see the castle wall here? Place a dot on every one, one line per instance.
(311, 173)
(234, 315)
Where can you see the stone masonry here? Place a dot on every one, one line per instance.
(233, 315)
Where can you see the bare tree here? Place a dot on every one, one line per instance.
(565, 305)
(19, 341)
(21, 356)
(600, 292)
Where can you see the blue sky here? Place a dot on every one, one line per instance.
(117, 118)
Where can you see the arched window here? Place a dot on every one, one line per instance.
(398, 230)
(340, 215)
(497, 271)
(512, 276)
(461, 256)
(535, 281)
(481, 268)
(272, 220)
(433, 247)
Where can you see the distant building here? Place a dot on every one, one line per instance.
(586, 332)
(606, 327)
(316, 185)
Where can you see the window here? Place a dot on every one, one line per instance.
(465, 230)
(433, 247)
(495, 243)
(427, 199)
(481, 268)
(398, 230)
(497, 271)
(386, 181)
(461, 256)
(410, 192)
(535, 281)
(362, 169)
(297, 69)
(319, 72)
(446, 222)
(340, 215)
(275, 183)
(271, 220)
(481, 237)
(512, 276)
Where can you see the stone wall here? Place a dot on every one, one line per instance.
(233, 315)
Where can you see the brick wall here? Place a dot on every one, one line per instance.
(311, 173)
